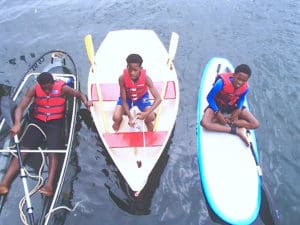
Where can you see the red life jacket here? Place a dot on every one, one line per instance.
(49, 107)
(229, 96)
(136, 90)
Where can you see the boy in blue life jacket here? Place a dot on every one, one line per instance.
(226, 111)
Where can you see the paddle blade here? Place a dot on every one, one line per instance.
(89, 48)
(173, 48)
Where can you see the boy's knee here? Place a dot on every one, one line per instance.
(256, 124)
(203, 124)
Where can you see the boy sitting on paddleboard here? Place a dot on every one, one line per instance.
(134, 91)
(226, 111)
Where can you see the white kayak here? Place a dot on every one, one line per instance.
(127, 147)
(229, 170)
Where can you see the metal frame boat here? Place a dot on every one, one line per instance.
(62, 66)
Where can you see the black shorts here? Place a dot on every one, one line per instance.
(53, 129)
(228, 109)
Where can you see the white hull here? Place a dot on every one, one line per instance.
(110, 61)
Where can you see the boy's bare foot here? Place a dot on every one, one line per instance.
(3, 189)
(150, 126)
(46, 191)
(116, 127)
(241, 132)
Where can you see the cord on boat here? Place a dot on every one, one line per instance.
(63, 207)
(39, 177)
(40, 182)
(38, 185)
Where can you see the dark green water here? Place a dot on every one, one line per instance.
(263, 34)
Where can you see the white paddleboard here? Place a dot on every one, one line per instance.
(228, 171)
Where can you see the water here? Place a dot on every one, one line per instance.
(263, 34)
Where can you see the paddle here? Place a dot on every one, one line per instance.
(172, 49)
(6, 105)
(91, 56)
(274, 214)
(171, 55)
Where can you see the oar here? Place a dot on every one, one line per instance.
(6, 105)
(171, 55)
(91, 56)
(274, 213)
(172, 49)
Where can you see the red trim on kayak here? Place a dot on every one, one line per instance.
(135, 139)
(110, 91)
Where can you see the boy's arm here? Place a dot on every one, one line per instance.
(20, 109)
(155, 94)
(211, 95)
(241, 99)
(78, 94)
(123, 97)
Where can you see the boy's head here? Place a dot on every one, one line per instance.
(134, 58)
(243, 68)
(134, 66)
(46, 81)
(241, 75)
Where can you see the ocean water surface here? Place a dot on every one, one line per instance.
(264, 34)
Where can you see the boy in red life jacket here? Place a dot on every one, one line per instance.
(227, 96)
(48, 97)
(134, 86)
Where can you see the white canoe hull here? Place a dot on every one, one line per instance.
(126, 147)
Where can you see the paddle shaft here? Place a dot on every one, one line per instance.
(172, 52)
(91, 57)
(23, 176)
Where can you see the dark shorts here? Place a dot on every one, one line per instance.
(53, 129)
(141, 103)
(228, 109)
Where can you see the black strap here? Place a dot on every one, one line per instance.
(233, 129)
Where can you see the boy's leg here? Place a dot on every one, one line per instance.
(149, 120)
(47, 189)
(55, 140)
(209, 122)
(144, 104)
(117, 117)
(10, 174)
(247, 120)
(31, 138)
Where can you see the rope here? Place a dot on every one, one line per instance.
(38, 185)
(40, 181)
(63, 207)
(144, 138)
(39, 177)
